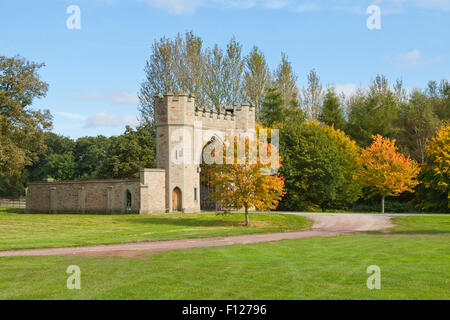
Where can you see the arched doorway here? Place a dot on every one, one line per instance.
(209, 150)
(128, 201)
(176, 199)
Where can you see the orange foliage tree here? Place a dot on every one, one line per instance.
(386, 172)
(246, 185)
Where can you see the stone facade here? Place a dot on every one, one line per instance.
(182, 132)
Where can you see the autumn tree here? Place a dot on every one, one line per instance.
(385, 172)
(21, 127)
(244, 184)
(433, 193)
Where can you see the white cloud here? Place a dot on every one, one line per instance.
(413, 58)
(435, 4)
(101, 119)
(347, 89)
(104, 119)
(177, 6)
(308, 7)
(114, 96)
(238, 4)
(69, 115)
(275, 4)
(189, 7)
(398, 6)
(123, 97)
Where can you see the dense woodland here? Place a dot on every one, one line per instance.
(322, 132)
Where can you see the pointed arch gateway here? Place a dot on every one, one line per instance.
(176, 200)
(206, 203)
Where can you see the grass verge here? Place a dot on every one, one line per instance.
(414, 261)
(26, 231)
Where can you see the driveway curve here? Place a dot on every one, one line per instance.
(325, 225)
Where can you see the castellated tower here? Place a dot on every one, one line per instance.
(182, 130)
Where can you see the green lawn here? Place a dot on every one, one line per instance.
(23, 231)
(414, 261)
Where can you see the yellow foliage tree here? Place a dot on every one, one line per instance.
(435, 174)
(246, 185)
(385, 171)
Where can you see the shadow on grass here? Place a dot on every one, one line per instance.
(13, 210)
(409, 232)
(188, 222)
(22, 211)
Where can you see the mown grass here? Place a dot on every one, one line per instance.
(414, 260)
(24, 231)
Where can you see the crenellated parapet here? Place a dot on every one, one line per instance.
(172, 109)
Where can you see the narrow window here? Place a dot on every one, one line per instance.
(195, 194)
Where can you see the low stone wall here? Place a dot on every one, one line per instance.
(100, 196)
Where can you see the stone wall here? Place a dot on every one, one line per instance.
(100, 196)
(153, 191)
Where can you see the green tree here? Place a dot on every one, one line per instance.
(313, 95)
(256, 79)
(55, 146)
(130, 152)
(90, 155)
(272, 107)
(418, 123)
(61, 167)
(319, 165)
(286, 81)
(374, 112)
(439, 94)
(332, 113)
(21, 127)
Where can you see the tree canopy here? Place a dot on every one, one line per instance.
(21, 127)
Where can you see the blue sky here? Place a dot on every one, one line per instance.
(94, 73)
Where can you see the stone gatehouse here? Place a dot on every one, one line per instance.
(182, 130)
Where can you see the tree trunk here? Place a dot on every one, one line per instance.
(382, 204)
(247, 220)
